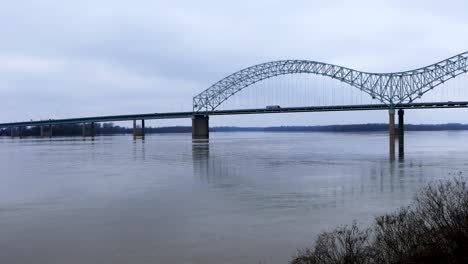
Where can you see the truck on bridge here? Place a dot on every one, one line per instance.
(273, 107)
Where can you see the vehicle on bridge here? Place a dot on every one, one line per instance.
(273, 107)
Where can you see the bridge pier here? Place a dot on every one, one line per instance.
(391, 132)
(139, 132)
(401, 133)
(44, 133)
(16, 132)
(91, 133)
(200, 127)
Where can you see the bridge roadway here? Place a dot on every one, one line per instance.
(174, 115)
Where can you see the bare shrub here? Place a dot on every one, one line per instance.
(345, 244)
(433, 230)
(442, 209)
(397, 236)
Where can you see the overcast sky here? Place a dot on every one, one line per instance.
(62, 59)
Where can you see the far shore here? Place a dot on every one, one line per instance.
(111, 129)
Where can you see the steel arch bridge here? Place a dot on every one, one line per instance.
(389, 88)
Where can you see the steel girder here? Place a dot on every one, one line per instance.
(388, 88)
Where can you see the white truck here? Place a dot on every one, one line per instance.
(273, 107)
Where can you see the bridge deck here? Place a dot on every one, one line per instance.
(174, 115)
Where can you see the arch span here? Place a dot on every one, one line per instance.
(389, 88)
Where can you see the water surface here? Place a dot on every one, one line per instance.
(241, 198)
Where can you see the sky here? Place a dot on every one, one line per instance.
(61, 59)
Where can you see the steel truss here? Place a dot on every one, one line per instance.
(389, 88)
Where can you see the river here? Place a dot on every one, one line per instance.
(241, 198)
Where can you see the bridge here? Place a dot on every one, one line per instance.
(393, 91)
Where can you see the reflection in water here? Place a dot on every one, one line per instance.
(200, 149)
(171, 200)
(284, 180)
(138, 150)
(401, 148)
(201, 158)
(210, 169)
(398, 139)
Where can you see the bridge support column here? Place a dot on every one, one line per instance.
(391, 131)
(51, 131)
(43, 132)
(401, 133)
(200, 127)
(139, 131)
(93, 130)
(20, 132)
(83, 130)
(12, 132)
(91, 133)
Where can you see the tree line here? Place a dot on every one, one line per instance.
(111, 129)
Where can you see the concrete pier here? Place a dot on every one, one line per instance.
(139, 131)
(88, 133)
(92, 131)
(43, 132)
(200, 127)
(16, 132)
(391, 132)
(401, 133)
(83, 130)
(51, 131)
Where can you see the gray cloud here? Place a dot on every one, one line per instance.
(64, 59)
